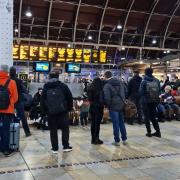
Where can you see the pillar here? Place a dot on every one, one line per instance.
(6, 32)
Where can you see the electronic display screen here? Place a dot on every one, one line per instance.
(41, 67)
(73, 68)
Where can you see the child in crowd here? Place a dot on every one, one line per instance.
(168, 104)
(84, 109)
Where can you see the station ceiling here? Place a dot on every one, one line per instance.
(58, 22)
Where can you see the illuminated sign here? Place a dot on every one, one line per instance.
(15, 52)
(52, 55)
(78, 55)
(43, 53)
(102, 56)
(95, 56)
(69, 55)
(61, 55)
(87, 55)
(34, 52)
(24, 52)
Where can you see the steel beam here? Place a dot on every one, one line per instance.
(19, 21)
(76, 21)
(170, 20)
(49, 18)
(124, 27)
(100, 45)
(102, 19)
(147, 24)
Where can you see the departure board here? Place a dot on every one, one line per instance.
(43, 53)
(78, 55)
(95, 56)
(52, 54)
(16, 52)
(61, 55)
(24, 52)
(86, 55)
(69, 55)
(34, 53)
(102, 56)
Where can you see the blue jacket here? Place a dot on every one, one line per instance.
(143, 88)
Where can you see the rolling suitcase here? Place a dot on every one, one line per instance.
(14, 136)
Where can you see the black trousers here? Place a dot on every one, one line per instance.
(59, 121)
(150, 116)
(21, 115)
(96, 118)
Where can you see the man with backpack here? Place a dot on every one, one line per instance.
(56, 102)
(8, 98)
(150, 91)
(114, 97)
(22, 93)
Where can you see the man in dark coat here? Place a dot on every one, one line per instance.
(59, 120)
(134, 95)
(20, 103)
(150, 91)
(114, 97)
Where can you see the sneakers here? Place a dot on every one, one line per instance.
(116, 143)
(157, 134)
(97, 142)
(67, 149)
(124, 143)
(55, 152)
(8, 153)
(28, 134)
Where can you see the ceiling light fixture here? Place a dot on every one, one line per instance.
(123, 48)
(168, 51)
(154, 41)
(141, 62)
(123, 58)
(165, 52)
(16, 30)
(69, 45)
(119, 26)
(28, 12)
(89, 37)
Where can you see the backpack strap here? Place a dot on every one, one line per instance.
(7, 83)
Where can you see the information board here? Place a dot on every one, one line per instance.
(16, 52)
(86, 55)
(69, 55)
(95, 56)
(78, 55)
(24, 52)
(61, 55)
(52, 55)
(102, 56)
(43, 53)
(34, 53)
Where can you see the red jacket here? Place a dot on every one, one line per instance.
(12, 90)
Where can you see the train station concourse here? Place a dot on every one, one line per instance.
(89, 89)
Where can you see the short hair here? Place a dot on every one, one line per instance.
(108, 74)
(168, 88)
(54, 74)
(4, 68)
(136, 72)
(148, 71)
(12, 71)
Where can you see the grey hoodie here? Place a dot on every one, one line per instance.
(114, 94)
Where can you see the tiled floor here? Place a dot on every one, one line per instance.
(142, 159)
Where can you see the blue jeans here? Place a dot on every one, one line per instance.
(118, 124)
(5, 120)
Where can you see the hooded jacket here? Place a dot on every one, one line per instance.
(12, 90)
(114, 94)
(143, 87)
(54, 83)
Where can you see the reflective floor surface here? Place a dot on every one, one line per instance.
(142, 159)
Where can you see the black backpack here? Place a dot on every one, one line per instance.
(56, 102)
(4, 96)
(152, 88)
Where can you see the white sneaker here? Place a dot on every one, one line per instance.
(54, 152)
(124, 143)
(68, 149)
(116, 143)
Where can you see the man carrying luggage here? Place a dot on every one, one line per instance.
(56, 101)
(8, 98)
(20, 103)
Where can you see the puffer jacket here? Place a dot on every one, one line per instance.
(114, 95)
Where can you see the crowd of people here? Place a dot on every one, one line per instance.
(153, 100)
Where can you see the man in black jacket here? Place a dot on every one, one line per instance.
(19, 106)
(56, 117)
(134, 95)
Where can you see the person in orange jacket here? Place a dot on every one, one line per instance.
(7, 115)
